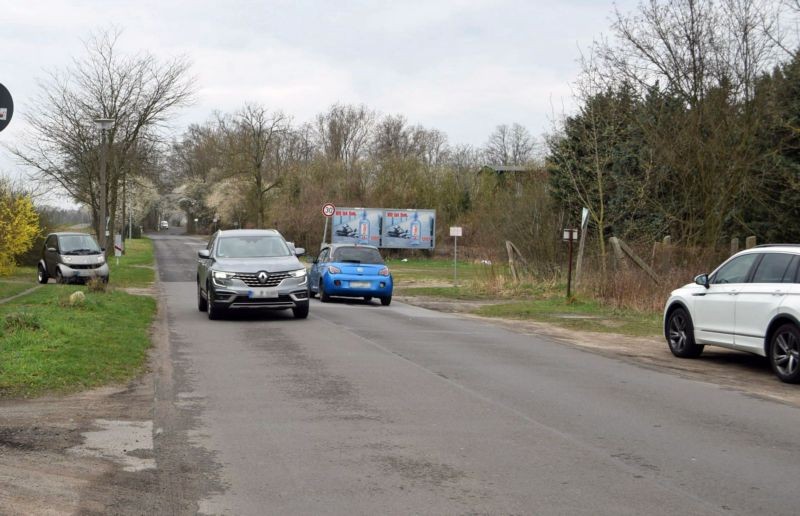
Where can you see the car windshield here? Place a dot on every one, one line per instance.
(357, 255)
(260, 246)
(78, 244)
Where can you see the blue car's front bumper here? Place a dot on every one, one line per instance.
(351, 285)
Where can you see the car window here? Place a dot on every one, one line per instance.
(357, 255)
(323, 255)
(50, 242)
(258, 246)
(772, 268)
(735, 271)
(78, 244)
(791, 272)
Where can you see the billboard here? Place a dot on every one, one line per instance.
(357, 226)
(408, 229)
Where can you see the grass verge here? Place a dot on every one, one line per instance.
(578, 315)
(21, 280)
(135, 268)
(49, 345)
(541, 301)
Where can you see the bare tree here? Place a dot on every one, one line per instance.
(257, 143)
(343, 132)
(63, 145)
(509, 146)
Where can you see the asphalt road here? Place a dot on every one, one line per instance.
(364, 409)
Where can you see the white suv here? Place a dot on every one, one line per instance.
(750, 303)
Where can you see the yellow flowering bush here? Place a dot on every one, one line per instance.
(19, 227)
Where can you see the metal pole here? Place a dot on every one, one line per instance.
(455, 261)
(325, 233)
(569, 268)
(103, 193)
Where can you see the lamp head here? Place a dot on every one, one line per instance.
(104, 124)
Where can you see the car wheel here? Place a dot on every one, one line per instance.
(212, 311)
(386, 300)
(59, 277)
(300, 310)
(367, 298)
(680, 335)
(784, 353)
(202, 304)
(42, 275)
(323, 296)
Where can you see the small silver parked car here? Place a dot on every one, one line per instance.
(71, 257)
(251, 269)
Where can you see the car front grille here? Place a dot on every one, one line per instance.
(84, 265)
(251, 279)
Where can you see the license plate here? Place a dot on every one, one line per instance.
(359, 284)
(263, 292)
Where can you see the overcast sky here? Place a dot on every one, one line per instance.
(460, 66)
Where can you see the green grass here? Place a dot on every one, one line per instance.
(100, 341)
(439, 270)
(536, 301)
(48, 345)
(20, 280)
(578, 315)
(135, 268)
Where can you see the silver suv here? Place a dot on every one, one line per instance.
(250, 269)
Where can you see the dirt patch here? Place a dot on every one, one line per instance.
(134, 291)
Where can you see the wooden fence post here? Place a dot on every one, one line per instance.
(619, 256)
(750, 242)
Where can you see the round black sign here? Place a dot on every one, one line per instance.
(6, 107)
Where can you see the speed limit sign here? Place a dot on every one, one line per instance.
(328, 209)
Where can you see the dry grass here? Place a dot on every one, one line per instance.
(631, 288)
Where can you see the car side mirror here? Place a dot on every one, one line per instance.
(299, 251)
(204, 253)
(702, 279)
(51, 249)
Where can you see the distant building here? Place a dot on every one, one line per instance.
(515, 175)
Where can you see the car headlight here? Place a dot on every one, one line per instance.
(299, 273)
(101, 259)
(334, 269)
(222, 278)
(384, 271)
(67, 259)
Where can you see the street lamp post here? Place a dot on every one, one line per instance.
(104, 124)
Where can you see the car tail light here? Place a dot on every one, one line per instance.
(384, 271)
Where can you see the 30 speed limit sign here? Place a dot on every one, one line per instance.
(328, 209)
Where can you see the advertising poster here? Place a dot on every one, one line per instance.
(408, 229)
(357, 226)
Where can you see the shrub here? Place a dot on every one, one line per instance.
(97, 285)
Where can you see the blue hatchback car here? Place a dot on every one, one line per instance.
(350, 270)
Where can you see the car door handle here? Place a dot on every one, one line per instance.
(777, 293)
